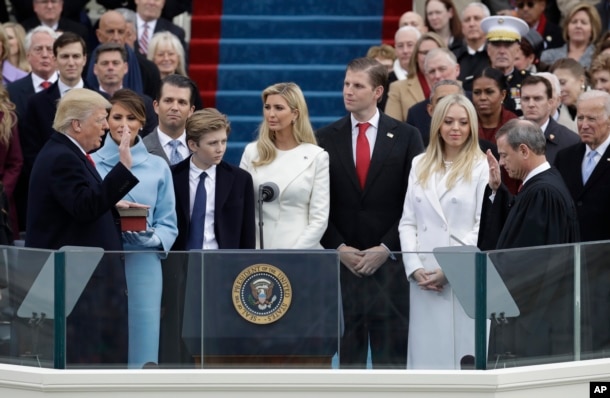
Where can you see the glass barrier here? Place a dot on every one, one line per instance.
(269, 309)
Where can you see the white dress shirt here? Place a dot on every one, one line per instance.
(209, 236)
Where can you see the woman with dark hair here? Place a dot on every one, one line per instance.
(443, 19)
(488, 95)
(528, 54)
(142, 262)
(581, 29)
(572, 80)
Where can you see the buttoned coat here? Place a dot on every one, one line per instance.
(440, 332)
(298, 217)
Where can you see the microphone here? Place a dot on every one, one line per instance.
(268, 191)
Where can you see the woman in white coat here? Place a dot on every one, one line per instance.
(444, 198)
(286, 154)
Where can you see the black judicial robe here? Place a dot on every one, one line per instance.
(540, 280)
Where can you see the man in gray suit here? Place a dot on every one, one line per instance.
(173, 105)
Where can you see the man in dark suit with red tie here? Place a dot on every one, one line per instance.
(585, 168)
(70, 204)
(228, 222)
(370, 159)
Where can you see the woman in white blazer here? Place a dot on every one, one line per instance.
(286, 154)
(444, 198)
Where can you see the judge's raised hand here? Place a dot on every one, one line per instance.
(494, 171)
(124, 148)
(371, 260)
(350, 257)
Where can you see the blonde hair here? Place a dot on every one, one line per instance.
(9, 118)
(595, 20)
(170, 38)
(19, 32)
(77, 104)
(301, 129)
(432, 161)
(5, 48)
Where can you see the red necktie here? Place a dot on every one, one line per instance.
(45, 84)
(520, 188)
(363, 153)
(90, 159)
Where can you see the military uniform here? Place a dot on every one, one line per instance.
(470, 65)
(513, 90)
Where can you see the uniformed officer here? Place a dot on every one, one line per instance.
(503, 36)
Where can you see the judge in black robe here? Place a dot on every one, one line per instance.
(540, 280)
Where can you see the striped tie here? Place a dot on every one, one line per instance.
(143, 43)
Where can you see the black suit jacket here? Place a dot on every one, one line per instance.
(38, 124)
(364, 218)
(558, 137)
(71, 205)
(234, 206)
(19, 92)
(64, 25)
(592, 198)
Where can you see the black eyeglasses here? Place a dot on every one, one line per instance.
(529, 4)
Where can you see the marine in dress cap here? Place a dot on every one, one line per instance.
(504, 28)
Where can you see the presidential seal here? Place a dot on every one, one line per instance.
(261, 294)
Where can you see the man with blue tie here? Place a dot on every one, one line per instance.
(215, 210)
(585, 168)
(173, 105)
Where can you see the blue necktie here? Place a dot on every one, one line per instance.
(589, 166)
(195, 240)
(175, 156)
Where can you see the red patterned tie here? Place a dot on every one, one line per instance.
(45, 84)
(363, 153)
(90, 159)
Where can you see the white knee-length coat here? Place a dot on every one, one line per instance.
(440, 332)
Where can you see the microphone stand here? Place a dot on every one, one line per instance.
(260, 214)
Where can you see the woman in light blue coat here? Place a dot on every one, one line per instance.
(142, 264)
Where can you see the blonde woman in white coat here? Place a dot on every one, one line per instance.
(444, 198)
(287, 155)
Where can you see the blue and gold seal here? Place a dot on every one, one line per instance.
(261, 294)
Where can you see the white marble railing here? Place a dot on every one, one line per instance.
(556, 380)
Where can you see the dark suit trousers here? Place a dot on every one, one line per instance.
(376, 312)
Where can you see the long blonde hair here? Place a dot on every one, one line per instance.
(432, 161)
(19, 32)
(9, 118)
(301, 129)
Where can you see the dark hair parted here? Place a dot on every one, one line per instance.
(181, 81)
(378, 74)
(493, 74)
(68, 38)
(109, 47)
(132, 102)
(532, 80)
